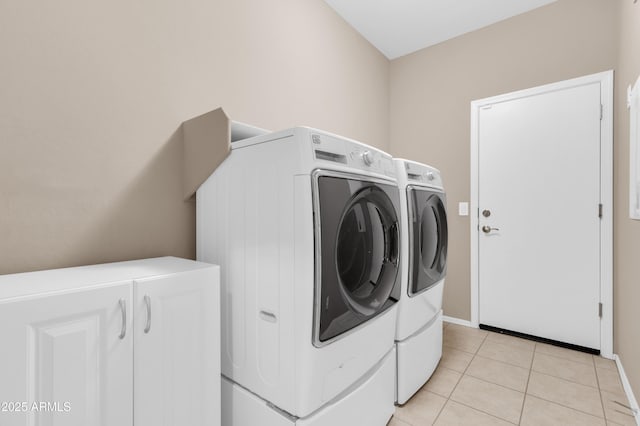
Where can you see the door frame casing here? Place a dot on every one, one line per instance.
(606, 194)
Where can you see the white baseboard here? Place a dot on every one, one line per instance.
(633, 402)
(458, 321)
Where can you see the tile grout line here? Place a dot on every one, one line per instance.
(460, 378)
(476, 354)
(510, 348)
(604, 411)
(464, 373)
(526, 394)
(420, 390)
(526, 388)
(439, 411)
(535, 351)
(563, 358)
(568, 380)
(503, 362)
(566, 406)
(565, 380)
(484, 412)
(528, 380)
(445, 403)
(458, 349)
(447, 399)
(495, 384)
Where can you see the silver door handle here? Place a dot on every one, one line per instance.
(147, 302)
(486, 229)
(123, 311)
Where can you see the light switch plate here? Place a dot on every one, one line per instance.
(463, 209)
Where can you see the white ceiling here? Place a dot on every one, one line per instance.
(400, 27)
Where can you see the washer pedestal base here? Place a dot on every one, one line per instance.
(418, 357)
(370, 403)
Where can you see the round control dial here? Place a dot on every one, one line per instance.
(367, 158)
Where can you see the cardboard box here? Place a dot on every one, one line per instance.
(207, 143)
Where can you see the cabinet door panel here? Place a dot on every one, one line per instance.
(66, 363)
(177, 362)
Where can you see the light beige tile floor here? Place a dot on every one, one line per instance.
(487, 378)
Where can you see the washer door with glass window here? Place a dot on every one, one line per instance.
(427, 238)
(357, 242)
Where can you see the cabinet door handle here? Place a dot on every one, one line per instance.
(123, 310)
(147, 302)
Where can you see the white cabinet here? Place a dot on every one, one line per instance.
(129, 343)
(176, 373)
(65, 348)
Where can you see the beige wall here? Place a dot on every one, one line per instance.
(431, 91)
(92, 95)
(430, 95)
(626, 231)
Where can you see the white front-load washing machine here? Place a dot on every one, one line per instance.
(424, 265)
(305, 227)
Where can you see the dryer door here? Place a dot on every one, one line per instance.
(428, 238)
(358, 243)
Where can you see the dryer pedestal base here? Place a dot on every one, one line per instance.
(370, 403)
(418, 357)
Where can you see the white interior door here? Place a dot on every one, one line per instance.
(539, 185)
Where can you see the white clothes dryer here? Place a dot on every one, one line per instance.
(424, 263)
(305, 227)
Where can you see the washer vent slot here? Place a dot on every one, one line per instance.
(330, 156)
(414, 176)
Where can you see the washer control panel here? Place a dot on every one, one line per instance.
(351, 154)
(422, 173)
